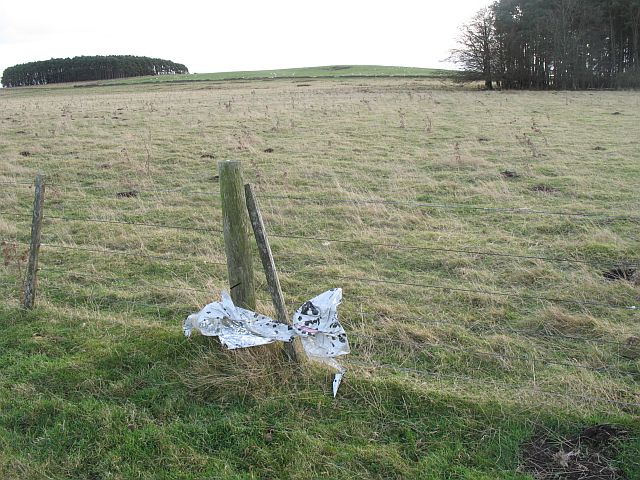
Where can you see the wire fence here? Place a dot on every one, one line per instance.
(488, 329)
(387, 281)
(68, 292)
(498, 329)
(129, 253)
(136, 224)
(366, 244)
(398, 246)
(600, 216)
(361, 243)
(115, 190)
(519, 296)
(463, 379)
(453, 289)
(443, 206)
(425, 346)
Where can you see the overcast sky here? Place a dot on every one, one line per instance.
(214, 36)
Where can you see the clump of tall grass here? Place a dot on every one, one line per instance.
(253, 375)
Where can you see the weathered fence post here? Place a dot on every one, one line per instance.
(293, 349)
(236, 235)
(30, 283)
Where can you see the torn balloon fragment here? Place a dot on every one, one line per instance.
(315, 322)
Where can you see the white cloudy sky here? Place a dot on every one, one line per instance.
(211, 35)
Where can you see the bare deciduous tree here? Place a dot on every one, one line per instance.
(476, 52)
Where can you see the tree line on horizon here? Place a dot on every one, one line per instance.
(553, 44)
(85, 68)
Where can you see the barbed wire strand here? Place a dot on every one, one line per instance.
(17, 183)
(17, 214)
(422, 344)
(473, 380)
(469, 290)
(353, 242)
(110, 189)
(111, 302)
(116, 279)
(516, 210)
(398, 246)
(471, 327)
(479, 328)
(448, 250)
(600, 264)
(453, 348)
(448, 348)
(130, 254)
(368, 280)
(487, 329)
(411, 203)
(488, 292)
(495, 329)
(138, 224)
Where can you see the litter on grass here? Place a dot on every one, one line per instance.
(315, 322)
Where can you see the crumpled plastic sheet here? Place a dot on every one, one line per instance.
(315, 322)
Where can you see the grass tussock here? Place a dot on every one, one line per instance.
(558, 319)
(253, 375)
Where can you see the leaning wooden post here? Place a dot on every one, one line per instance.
(294, 349)
(30, 283)
(236, 235)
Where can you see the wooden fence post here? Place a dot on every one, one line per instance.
(30, 283)
(294, 350)
(236, 235)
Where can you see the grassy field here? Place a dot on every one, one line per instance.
(331, 71)
(446, 379)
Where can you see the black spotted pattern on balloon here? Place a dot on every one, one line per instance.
(309, 307)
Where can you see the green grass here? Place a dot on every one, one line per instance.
(98, 381)
(332, 71)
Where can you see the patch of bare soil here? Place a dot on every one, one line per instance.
(622, 272)
(129, 194)
(509, 174)
(587, 456)
(544, 188)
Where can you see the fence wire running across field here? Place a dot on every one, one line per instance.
(445, 206)
(527, 359)
(496, 329)
(396, 246)
(329, 201)
(387, 281)
(112, 189)
(67, 294)
(471, 380)
(130, 253)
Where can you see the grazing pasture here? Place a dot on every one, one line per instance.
(487, 244)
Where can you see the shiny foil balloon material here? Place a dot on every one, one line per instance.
(315, 322)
